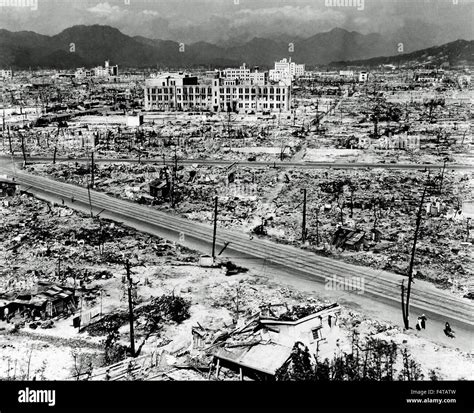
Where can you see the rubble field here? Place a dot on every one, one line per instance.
(378, 206)
(76, 251)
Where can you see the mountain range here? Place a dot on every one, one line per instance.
(454, 53)
(89, 46)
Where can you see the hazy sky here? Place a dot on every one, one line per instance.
(219, 20)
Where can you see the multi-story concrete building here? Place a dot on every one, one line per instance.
(6, 74)
(106, 71)
(286, 70)
(363, 77)
(178, 91)
(242, 73)
(99, 71)
(246, 76)
(346, 73)
(429, 77)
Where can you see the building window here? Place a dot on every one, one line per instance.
(316, 333)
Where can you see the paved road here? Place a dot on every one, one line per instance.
(381, 288)
(289, 164)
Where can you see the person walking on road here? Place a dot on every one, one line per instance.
(448, 331)
(423, 321)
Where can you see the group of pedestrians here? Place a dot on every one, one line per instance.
(421, 325)
(421, 322)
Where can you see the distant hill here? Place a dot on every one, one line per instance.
(460, 52)
(94, 44)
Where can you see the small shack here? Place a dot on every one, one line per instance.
(348, 238)
(7, 187)
(48, 301)
(159, 189)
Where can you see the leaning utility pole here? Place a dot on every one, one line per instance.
(215, 230)
(130, 309)
(406, 320)
(90, 199)
(303, 229)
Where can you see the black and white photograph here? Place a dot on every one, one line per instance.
(259, 205)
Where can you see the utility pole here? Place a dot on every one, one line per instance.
(90, 199)
(130, 309)
(173, 178)
(92, 169)
(317, 226)
(23, 147)
(442, 176)
(215, 229)
(406, 320)
(468, 222)
(303, 229)
(3, 125)
(10, 140)
(175, 163)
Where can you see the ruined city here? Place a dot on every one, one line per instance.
(234, 215)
